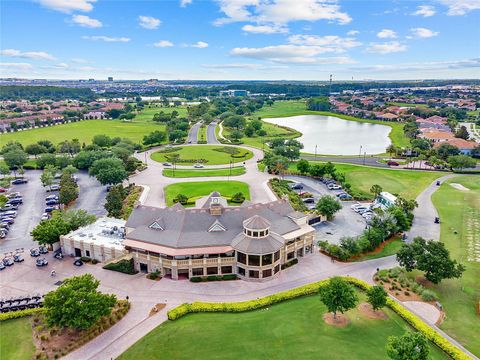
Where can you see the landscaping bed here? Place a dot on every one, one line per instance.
(205, 154)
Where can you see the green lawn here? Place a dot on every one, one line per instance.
(16, 341)
(148, 111)
(294, 108)
(185, 173)
(207, 154)
(289, 330)
(85, 130)
(198, 189)
(460, 212)
(407, 104)
(390, 248)
(406, 183)
(202, 133)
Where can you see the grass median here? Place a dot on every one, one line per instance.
(187, 173)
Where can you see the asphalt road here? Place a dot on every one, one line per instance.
(193, 133)
(211, 138)
(91, 198)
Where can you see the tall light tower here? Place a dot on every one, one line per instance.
(330, 90)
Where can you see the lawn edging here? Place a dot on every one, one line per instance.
(311, 289)
(19, 313)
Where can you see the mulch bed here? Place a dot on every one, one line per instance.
(340, 321)
(367, 310)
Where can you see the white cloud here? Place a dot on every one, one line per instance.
(86, 21)
(330, 43)
(185, 3)
(460, 7)
(264, 29)
(386, 48)
(79, 60)
(423, 33)
(425, 11)
(281, 11)
(200, 45)
(19, 66)
(353, 32)
(68, 6)
(148, 22)
(60, 66)
(387, 34)
(106, 38)
(37, 55)
(243, 66)
(163, 43)
(434, 65)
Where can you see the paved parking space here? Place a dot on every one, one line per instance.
(92, 198)
(345, 223)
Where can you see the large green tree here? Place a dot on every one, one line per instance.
(108, 171)
(460, 162)
(114, 201)
(431, 257)
(15, 159)
(338, 295)
(68, 189)
(377, 297)
(327, 205)
(49, 231)
(410, 346)
(77, 303)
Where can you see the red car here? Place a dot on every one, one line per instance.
(392, 163)
(2, 190)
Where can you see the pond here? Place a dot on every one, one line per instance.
(335, 136)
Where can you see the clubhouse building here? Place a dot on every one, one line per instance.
(253, 241)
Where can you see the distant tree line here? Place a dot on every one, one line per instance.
(12, 92)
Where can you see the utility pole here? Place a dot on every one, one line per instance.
(330, 89)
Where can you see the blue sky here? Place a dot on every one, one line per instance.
(240, 39)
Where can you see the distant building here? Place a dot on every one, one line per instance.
(102, 240)
(385, 200)
(233, 93)
(110, 78)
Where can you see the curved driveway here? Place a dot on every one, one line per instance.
(193, 133)
(211, 137)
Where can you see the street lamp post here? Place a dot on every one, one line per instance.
(315, 152)
(360, 153)
(364, 155)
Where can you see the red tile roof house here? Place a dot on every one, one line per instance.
(464, 146)
(386, 116)
(5, 124)
(437, 135)
(437, 119)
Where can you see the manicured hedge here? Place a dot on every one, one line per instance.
(311, 289)
(20, 313)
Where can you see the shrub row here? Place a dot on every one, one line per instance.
(124, 266)
(19, 314)
(213, 278)
(311, 289)
(289, 263)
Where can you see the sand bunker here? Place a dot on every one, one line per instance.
(459, 187)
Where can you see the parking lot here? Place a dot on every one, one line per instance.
(91, 198)
(346, 222)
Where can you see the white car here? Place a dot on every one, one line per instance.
(45, 216)
(198, 166)
(334, 187)
(367, 214)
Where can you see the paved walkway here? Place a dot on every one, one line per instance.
(423, 223)
(426, 311)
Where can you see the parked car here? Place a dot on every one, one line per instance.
(309, 200)
(34, 252)
(78, 262)
(51, 197)
(8, 261)
(5, 225)
(41, 262)
(345, 197)
(10, 213)
(7, 220)
(198, 166)
(45, 216)
(54, 188)
(2, 266)
(334, 187)
(49, 209)
(296, 186)
(51, 202)
(43, 249)
(15, 201)
(18, 258)
(58, 255)
(19, 181)
(166, 164)
(392, 163)
(2, 190)
(3, 233)
(13, 195)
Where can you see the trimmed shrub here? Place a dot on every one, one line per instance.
(123, 266)
(19, 314)
(428, 295)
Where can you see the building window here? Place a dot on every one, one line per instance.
(291, 255)
(253, 274)
(241, 271)
(254, 260)
(276, 256)
(242, 258)
(277, 268)
(197, 271)
(87, 253)
(255, 234)
(249, 233)
(212, 270)
(300, 252)
(266, 259)
(226, 270)
(267, 273)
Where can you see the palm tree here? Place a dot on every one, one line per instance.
(376, 190)
(391, 149)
